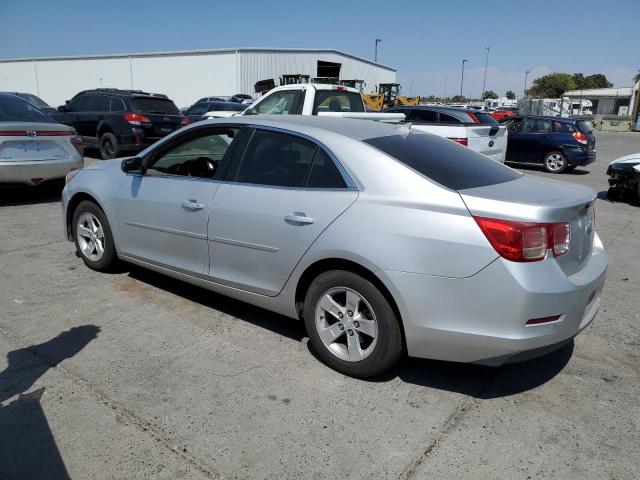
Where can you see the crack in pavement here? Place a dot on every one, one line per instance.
(142, 425)
(617, 235)
(448, 424)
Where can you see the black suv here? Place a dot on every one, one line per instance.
(119, 121)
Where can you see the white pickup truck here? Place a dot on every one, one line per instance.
(317, 99)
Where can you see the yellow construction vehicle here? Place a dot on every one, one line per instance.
(388, 95)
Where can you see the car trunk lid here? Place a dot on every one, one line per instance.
(164, 117)
(537, 200)
(31, 141)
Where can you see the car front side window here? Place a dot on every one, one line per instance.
(196, 157)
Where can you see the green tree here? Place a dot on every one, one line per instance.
(489, 94)
(636, 77)
(552, 85)
(458, 99)
(597, 80)
(510, 95)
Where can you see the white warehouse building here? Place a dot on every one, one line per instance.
(184, 76)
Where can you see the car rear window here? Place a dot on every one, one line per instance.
(443, 161)
(583, 126)
(154, 105)
(337, 101)
(18, 110)
(37, 101)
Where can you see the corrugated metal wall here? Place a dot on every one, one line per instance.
(183, 76)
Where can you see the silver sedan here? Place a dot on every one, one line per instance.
(33, 147)
(382, 240)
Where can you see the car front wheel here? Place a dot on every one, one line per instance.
(351, 325)
(555, 162)
(93, 238)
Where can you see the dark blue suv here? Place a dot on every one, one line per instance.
(558, 143)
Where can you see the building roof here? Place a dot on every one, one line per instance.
(199, 52)
(600, 92)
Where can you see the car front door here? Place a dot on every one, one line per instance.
(163, 210)
(278, 198)
(514, 142)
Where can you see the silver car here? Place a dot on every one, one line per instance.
(33, 147)
(383, 240)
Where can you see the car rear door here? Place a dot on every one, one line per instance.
(281, 195)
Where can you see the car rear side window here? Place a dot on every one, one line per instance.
(117, 105)
(337, 101)
(443, 161)
(162, 106)
(486, 119)
(446, 118)
(324, 173)
(562, 127)
(583, 126)
(422, 116)
(278, 159)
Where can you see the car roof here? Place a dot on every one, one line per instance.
(126, 93)
(312, 125)
(549, 117)
(10, 96)
(437, 108)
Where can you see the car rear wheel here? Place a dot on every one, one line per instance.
(351, 325)
(555, 162)
(109, 146)
(93, 238)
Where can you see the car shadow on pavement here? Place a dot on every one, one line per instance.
(27, 447)
(257, 316)
(15, 196)
(474, 380)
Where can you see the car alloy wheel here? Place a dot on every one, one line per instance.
(555, 162)
(346, 324)
(90, 236)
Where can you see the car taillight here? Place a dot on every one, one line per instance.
(461, 141)
(524, 241)
(184, 121)
(136, 118)
(76, 141)
(473, 117)
(581, 137)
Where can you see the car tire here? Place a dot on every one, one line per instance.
(109, 146)
(93, 238)
(555, 162)
(362, 341)
(614, 193)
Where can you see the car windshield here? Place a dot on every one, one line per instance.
(583, 126)
(18, 110)
(443, 161)
(38, 102)
(162, 106)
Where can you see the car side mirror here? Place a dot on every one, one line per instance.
(133, 164)
(62, 108)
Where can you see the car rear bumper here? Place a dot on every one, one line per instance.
(37, 171)
(481, 319)
(581, 157)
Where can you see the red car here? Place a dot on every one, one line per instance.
(501, 114)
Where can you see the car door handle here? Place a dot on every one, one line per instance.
(298, 218)
(192, 205)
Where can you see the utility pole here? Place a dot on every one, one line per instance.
(526, 74)
(375, 55)
(486, 64)
(462, 76)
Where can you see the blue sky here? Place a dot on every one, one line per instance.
(425, 41)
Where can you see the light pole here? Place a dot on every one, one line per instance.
(462, 76)
(484, 81)
(445, 88)
(375, 55)
(526, 74)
